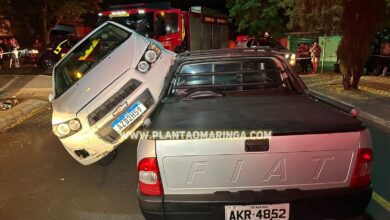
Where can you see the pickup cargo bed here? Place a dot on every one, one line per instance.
(283, 114)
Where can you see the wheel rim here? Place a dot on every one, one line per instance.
(48, 62)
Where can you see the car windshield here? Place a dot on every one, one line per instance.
(229, 77)
(142, 23)
(87, 55)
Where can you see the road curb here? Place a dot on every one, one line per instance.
(363, 114)
(16, 115)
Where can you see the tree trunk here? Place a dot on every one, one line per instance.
(46, 32)
(360, 22)
(356, 78)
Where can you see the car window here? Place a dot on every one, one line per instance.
(230, 76)
(167, 23)
(87, 55)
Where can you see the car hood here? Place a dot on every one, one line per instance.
(123, 58)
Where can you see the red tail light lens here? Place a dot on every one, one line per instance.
(362, 174)
(149, 181)
(355, 112)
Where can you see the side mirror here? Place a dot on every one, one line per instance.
(51, 97)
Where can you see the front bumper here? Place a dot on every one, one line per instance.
(308, 204)
(87, 140)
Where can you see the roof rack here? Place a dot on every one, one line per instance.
(229, 50)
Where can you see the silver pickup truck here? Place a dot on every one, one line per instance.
(316, 164)
(296, 156)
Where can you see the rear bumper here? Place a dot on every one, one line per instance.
(310, 204)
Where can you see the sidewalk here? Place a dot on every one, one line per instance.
(372, 98)
(25, 86)
(32, 93)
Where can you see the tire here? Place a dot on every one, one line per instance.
(107, 160)
(46, 62)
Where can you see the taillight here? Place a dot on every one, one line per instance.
(362, 174)
(355, 112)
(149, 181)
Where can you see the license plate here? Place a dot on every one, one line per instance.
(258, 212)
(128, 117)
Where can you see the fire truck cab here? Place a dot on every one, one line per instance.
(177, 30)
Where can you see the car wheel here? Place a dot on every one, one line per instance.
(107, 160)
(46, 62)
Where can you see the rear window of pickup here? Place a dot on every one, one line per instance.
(231, 76)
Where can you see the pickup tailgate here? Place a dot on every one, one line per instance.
(311, 161)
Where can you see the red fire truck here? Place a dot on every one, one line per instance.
(177, 30)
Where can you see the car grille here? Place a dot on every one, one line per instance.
(109, 104)
(110, 135)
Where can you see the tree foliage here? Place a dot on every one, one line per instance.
(33, 17)
(314, 16)
(356, 20)
(256, 16)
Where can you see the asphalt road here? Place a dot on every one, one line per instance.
(39, 180)
(25, 69)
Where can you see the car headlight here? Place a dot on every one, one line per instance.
(292, 60)
(143, 66)
(66, 129)
(150, 56)
(287, 55)
(293, 56)
(74, 125)
(33, 51)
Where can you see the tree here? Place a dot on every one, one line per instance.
(55, 11)
(357, 20)
(256, 16)
(313, 16)
(360, 22)
(33, 17)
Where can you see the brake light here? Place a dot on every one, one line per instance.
(149, 181)
(355, 112)
(362, 174)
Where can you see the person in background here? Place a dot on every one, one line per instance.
(315, 51)
(266, 40)
(303, 54)
(385, 52)
(241, 43)
(252, 42)
(5, 47)
(15, 53)
(1, 53)
(37, 45)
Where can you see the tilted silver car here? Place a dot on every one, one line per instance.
(104, 88)
(316, 164)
